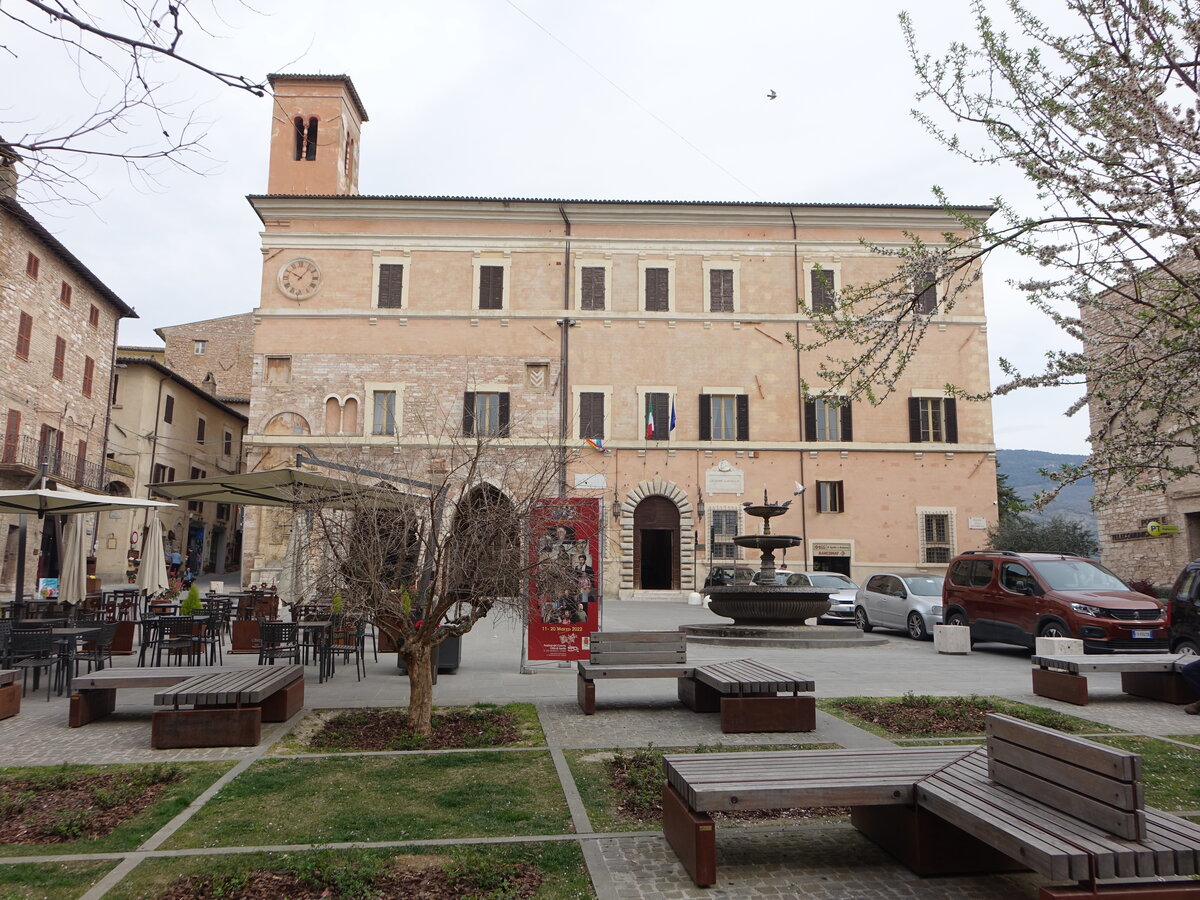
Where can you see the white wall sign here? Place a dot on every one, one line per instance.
(594, 482)
(828, 549)
(723, 478)
(977, 523)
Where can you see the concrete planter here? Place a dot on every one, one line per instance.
(1057, 646)
(951, 639)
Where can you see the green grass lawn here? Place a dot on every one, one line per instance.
(134, 831)
(1168, 770)
(592, 771)
(1186, 738)
(347, 873)
(383, 798)
(46, 881)
(914, 716)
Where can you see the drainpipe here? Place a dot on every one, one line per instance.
(112, 373)
(799, 391)
(564, 359)
(154, 449)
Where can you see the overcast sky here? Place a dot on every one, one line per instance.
(655, 99)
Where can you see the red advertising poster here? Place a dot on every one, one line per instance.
(564, 590)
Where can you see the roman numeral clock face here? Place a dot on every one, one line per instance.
(300, 279)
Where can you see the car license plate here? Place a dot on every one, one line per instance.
(1143, 635)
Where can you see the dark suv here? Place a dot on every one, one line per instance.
(1013, 598)
(1183, 610)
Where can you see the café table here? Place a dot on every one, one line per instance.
(321, 631)
(67, 637)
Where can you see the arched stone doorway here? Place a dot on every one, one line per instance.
(656, 541)
(485, 545)
(684, 575)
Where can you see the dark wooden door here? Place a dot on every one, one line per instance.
(656, 545)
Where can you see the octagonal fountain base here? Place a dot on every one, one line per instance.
(796, 636)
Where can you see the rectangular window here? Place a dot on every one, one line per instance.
(937, 538)
(227, 443)
(201, 426)
(116, 380)
(723, 525)
(486, 413)
(64, 294)
(32, 264)
(383, 419)
(826, 419)
(196, 506)
(50, 448)
(658, 287)
(824, 290)
(89, 372)
(161, 473)
(724, 417)
(223, 511)
(94, 316)
(932, 420)
(391, 286)
(720, 290)
(925, 294)
(199, 348)
(591, 287)
(12, 435)
(169, 409)
(830, 498)
(279, 369)
(24, 335)
(60, 358)
(80, 462)
(491, 287)
(657, 415)
(591, 415)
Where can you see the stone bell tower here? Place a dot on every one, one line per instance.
(315, 125)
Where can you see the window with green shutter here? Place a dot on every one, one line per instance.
(591, 415)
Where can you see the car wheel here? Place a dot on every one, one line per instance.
(957, 618)
(1188, 648)
(861, 621)
(1054, 629)
(916, 627)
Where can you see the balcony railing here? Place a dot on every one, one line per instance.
(27, 454)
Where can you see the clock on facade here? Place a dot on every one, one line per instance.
(300, 279)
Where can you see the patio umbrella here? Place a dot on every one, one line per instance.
(295, 578)
(277, 487)
(152, 573)
(72, 577)
(44, 501)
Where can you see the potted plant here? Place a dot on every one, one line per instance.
(191, 603)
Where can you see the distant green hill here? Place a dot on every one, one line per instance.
(1022, 468)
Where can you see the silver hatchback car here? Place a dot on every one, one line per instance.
(909, 601)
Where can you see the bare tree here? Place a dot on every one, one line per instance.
(1102, 121)
(436, 543)
(121, 53)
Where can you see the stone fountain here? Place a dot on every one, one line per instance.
(768, 603)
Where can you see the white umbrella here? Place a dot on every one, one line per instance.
(152, 573)
(295, 578)
(44, 501)
(72, 574)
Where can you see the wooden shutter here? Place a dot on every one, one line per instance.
(661, 404)
(592, 287)
(468, 413)
(200, 426)
(926, 299)
(60, 357)
(841, 495)
(94, 316)
(810, 420)
(169, 410)
(81, 462)
(720, 286)
(24, 335)
(504, 410)
(391, 286)
(591, 415)
(657, 291)
(64, 294)
(89, 372)
(914, 420)
(742, 404)
(12, 435)
(823, 289)
(847, 423)
(491, 287)
(950, 409)
(706, 417)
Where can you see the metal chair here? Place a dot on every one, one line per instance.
(278, 640)
(6, 629)
(207, 637)
(177, 636)
(349, 636)
(34, 649)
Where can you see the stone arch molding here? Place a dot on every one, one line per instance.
(687, 524)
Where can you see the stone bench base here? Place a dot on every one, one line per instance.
(176, 728)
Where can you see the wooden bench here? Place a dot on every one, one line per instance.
(746, 693)
(1151, 675)
(10, 693)
(630, 654)
(227, 707)
(1069, 808)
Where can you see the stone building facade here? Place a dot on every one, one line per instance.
(650, 339)
(215, 354)
(59, 325)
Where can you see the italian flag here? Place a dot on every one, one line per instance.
(649, 419)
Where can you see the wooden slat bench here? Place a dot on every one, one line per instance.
(1069, 808)
(746, 693)
(1151, 675)
(10, 693)
(630, 654)
(228, 706)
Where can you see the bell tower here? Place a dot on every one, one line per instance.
(315, 125)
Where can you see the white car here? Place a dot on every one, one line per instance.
(907, 601)
(842, 600)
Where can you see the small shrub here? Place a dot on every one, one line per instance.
(69, 824)
(15, 803)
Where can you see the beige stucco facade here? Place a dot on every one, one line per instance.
(366, 295)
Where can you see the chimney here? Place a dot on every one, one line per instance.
(8, 170)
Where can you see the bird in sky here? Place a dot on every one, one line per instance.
(771, 95)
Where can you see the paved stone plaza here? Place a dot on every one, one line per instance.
(808, 860)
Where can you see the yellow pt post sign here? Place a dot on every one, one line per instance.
(1157, 529)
